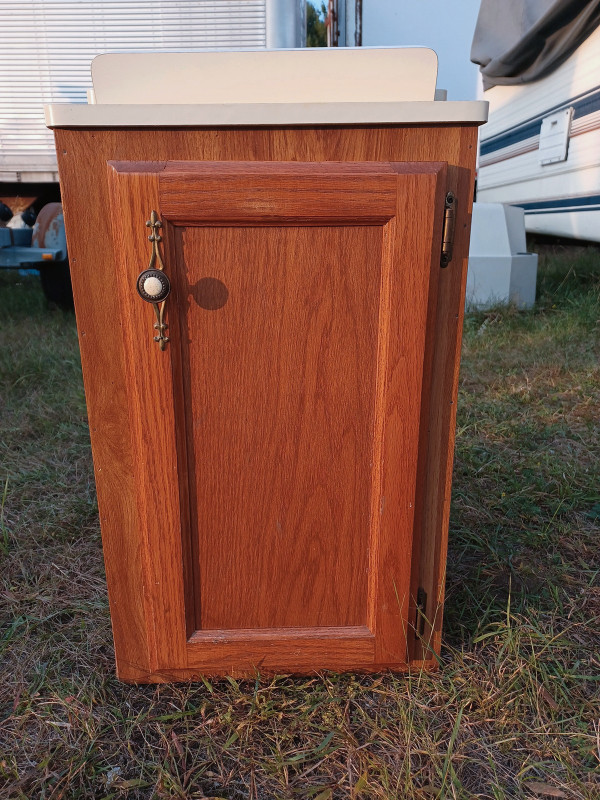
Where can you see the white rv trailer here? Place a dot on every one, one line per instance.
(47, 47)
(540, 149)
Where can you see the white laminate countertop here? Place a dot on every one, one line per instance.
(312, 86)
(427, 112)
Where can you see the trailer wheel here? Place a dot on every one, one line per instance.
(56, 283)
(49, 231)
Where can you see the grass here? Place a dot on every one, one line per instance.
(514, 710)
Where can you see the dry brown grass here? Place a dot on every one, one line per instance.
(513, 711)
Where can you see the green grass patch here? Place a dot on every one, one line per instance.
(512, 713)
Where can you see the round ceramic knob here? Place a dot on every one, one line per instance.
(153, 285)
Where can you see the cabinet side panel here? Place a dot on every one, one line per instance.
(90, 245)
(416, 227)
(429, 558)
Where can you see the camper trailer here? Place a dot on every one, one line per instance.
(47, 48)
(540, 149)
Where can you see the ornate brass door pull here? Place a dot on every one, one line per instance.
(152, 284)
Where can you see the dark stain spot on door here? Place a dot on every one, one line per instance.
(210, 293)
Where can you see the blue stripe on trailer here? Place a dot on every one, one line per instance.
(563, 206)
(583, 104)
(565, 202)
(570, 210)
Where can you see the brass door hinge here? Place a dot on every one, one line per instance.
(448, 230)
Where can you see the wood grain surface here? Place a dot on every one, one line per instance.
(157, 466)
(92, 243)
(280, 398)
(242, 193)
(435, 483)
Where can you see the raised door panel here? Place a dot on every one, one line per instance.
(277, 434)
(279, 337)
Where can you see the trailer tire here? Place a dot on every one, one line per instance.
(56, 284)
(49, 231)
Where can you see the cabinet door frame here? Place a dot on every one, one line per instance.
(407, 200)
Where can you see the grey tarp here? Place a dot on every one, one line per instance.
(518, 41)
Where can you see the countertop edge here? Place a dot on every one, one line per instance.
(70, 115)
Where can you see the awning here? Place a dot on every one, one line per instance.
(519, 41)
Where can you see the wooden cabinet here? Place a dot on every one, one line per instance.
(273, 484)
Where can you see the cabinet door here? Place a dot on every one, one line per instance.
(277, 433)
